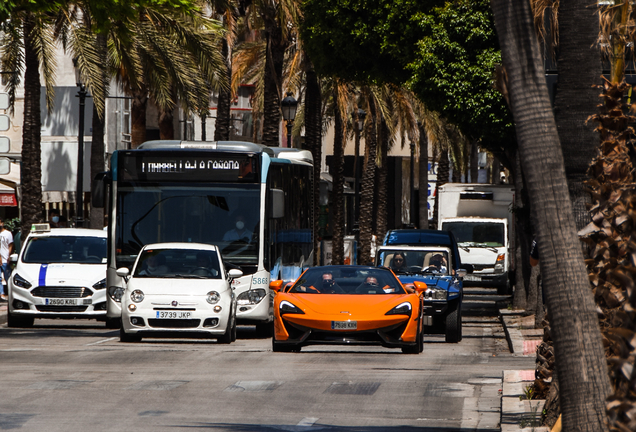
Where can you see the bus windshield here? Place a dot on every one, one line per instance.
(225, 214)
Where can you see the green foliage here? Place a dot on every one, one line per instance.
(454, 66)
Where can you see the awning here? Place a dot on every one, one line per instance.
(9, 186)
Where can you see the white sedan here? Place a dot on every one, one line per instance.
(178, 289)
(60, 273)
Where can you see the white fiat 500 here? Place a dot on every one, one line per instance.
(178, 289)
(60, 273)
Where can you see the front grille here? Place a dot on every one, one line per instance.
(173, 323)
(479, 267)
(46, 308)
(61, 292)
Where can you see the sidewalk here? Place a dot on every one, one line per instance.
(517, 412)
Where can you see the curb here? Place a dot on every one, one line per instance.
(3, 313)
(517, 412)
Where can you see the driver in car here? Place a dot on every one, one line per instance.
(329, 285)
(239, 232)
(203, 265)
(437, 264)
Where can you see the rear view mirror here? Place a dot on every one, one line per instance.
(13, 258)
(420, 287)
(277, 203)
(276, 285)
(122, 272)
(234, 273)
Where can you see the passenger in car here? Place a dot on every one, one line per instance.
(155, 265)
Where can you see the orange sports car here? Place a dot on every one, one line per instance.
(347, 305)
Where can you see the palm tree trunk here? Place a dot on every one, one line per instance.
(97, 142)
(423, 178)
(31, 165)
(313, 141)
(138, 118)
(338, 186)
(223, 112)
(367, 187)
(382, 172)
(272, 86)
(576, 97)
(474, 166)
(580, 357)
(166, 124)
(443, 169)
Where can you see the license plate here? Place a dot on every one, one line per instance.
(174, 315)
(60, 302)
(472, 278)
(344, 325)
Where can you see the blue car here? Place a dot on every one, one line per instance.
(432, 257)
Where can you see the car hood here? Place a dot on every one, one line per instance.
(172, 286)
(62, 274)
(480, 255)
(442, 282)
(355, 304)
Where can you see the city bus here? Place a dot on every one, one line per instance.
(254, 202)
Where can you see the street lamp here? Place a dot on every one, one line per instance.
(289, 106)
(358, 119)
(79, 200)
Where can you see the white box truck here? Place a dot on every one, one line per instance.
(481, 218)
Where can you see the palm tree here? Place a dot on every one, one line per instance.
(28, 45)
(580, 358)
(368, 176)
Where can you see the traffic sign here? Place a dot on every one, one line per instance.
(5, 166)
(4, 101)
(5, 122)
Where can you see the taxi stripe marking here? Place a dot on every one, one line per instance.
(42, 276)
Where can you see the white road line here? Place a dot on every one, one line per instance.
(307, 421)
(102, 341)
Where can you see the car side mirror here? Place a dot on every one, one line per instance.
(420, 287)
(276, 285)
(234, 273)
(123, 272)
(13, 258)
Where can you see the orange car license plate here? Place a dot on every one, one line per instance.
(344, 325)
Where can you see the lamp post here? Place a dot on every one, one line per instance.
(289, 106)
(79, 200)
(358, 120)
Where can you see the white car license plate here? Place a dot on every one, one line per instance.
(344, 325)
(60, 302)
(174, 315)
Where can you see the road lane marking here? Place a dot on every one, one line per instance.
(307, 421)
(101, 341)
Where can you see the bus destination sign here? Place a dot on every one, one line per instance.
(190, 167)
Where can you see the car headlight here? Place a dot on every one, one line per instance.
(116, 293)
(401, 309)
(137, 296)
(435, 294)
(101, 284)
(213, 297)
(20, 281)
(286, 307)
(251, 297)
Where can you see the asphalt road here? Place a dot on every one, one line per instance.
(77, 376)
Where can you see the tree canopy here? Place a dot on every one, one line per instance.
(446, 52)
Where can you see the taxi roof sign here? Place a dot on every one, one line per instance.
(40, 227)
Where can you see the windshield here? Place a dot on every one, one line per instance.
(178, 263)
(337, 280)
(65, 249)
(432, 261)
(225, 215)
(476, 233)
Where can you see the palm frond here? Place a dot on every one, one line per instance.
(44, 45)
(12, 55)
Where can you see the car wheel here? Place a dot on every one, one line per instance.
(504, 289)
(418, 347)
(226, 337)
(113, 323)
(14, 321)
(264, 330)
(278, 347)
(125, 337)
(454, 325)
